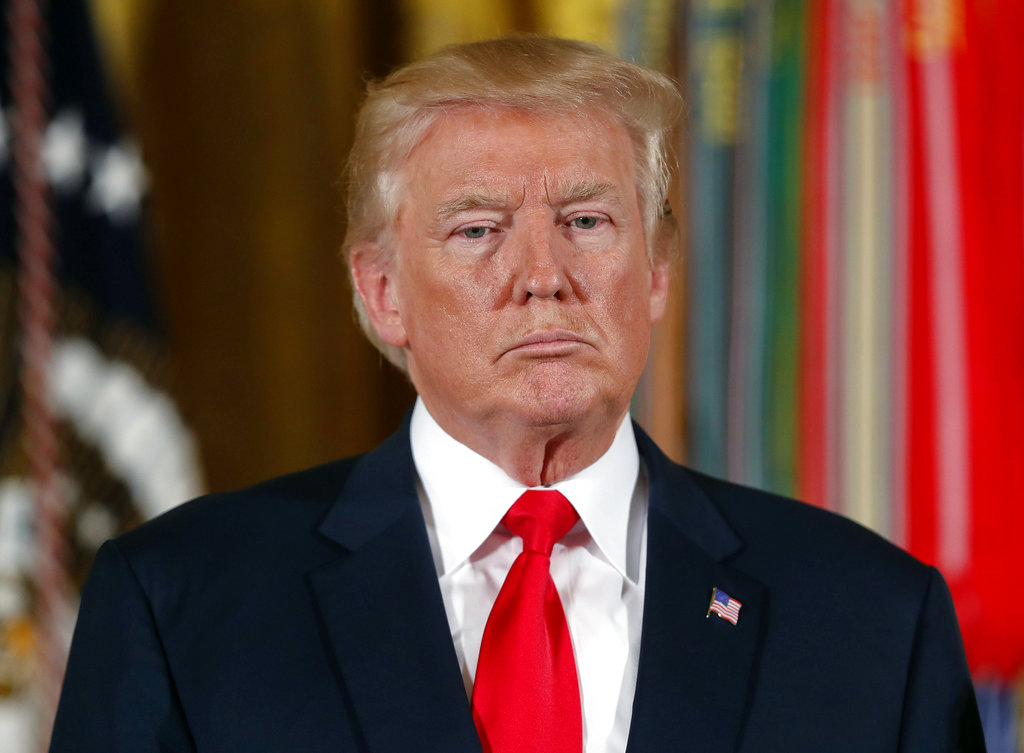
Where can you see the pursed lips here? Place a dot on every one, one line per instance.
(547, 342)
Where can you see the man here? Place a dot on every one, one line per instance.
(509, 244)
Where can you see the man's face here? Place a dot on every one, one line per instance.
(520, 283)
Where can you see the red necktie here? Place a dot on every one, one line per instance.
(526, 698)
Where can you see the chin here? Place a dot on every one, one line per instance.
(558, 402)
(551, 414)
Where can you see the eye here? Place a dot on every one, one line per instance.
(474, 232)
(585, 223)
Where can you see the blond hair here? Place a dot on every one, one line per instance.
(526, 73)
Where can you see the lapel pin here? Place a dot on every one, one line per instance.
(724, 606)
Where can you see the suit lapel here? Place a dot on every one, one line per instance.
(383, 614)
(695, 672)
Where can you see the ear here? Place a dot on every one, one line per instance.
(666, 244)
(661, 273)
(373, 275)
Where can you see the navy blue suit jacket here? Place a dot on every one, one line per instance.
(304, 614)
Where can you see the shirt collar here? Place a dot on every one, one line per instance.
(468, 495)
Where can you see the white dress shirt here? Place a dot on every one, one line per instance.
(598, 567)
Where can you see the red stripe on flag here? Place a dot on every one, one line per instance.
(990, 80)
(812, 481)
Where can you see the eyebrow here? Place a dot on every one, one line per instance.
(567, 192)
(584, 190)
(468, 202)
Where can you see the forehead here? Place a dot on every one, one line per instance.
(475, 151)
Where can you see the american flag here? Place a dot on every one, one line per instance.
(119, 447)
(724, 606)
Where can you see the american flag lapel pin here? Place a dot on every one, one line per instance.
(724, 606)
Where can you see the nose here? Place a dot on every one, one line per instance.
(541, 267)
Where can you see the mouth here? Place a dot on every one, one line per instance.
(547, 343)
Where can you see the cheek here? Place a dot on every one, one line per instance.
(469, 292)
(623, 291)
(447, 310)
(624, 302)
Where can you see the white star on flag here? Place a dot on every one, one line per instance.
(118, 182)
(64, 149)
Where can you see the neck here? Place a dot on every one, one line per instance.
(537, 455)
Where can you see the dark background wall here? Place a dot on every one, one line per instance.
(243, 112)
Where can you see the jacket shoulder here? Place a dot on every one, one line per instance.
(267, 514)
(757, 514)
(788, 542)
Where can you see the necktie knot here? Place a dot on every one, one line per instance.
(540, 517)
